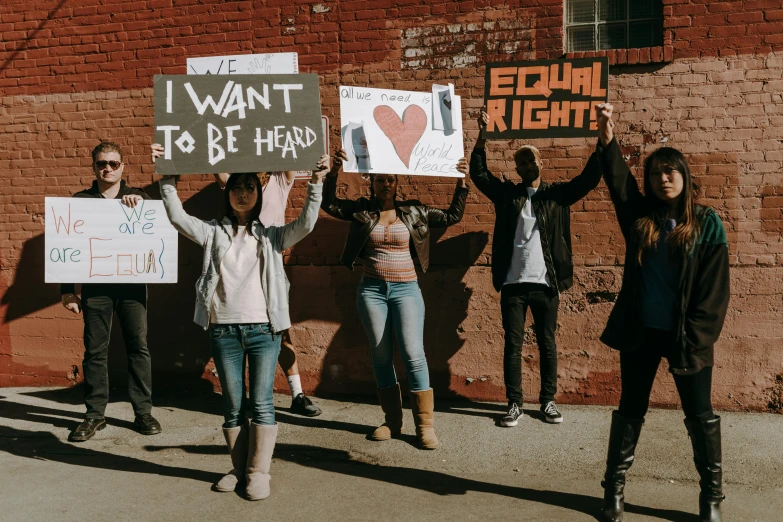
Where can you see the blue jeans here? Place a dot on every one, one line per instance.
(397, 308)
(230, 343)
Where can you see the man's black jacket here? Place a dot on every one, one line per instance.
(552, 207)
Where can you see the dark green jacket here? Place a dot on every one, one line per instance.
(703, 296)
(552, 207)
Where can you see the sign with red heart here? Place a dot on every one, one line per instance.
(394, 132)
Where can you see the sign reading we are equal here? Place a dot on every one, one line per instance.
(237, 123)
(90, 240)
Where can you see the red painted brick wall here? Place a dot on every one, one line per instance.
(75, 73)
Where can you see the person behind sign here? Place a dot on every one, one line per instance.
(99, 302)
(531, 261)
(385, 232)
(242, 300)
(275, 187)
(672, 304)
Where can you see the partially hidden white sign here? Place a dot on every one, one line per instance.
(394, 132)
(103, 241)
(272, 63)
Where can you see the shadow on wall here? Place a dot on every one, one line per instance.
(180, 349)
(329, 295)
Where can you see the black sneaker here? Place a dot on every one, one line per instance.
(512, 417)
(86, 429)
(550, 413)
(146, 424)
(302, 405)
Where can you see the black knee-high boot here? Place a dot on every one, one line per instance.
(705, 439)
(623, 437)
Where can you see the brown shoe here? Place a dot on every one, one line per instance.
(423, 406)
(391, 403)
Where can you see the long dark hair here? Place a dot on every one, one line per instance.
(250, 181)
(648, 228)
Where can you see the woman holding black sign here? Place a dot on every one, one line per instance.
(385, 232)
(672, 304)
(242, 300)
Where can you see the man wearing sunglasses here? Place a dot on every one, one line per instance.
(99, 302)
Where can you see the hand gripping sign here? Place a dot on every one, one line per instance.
(545, 98)
(237, 123)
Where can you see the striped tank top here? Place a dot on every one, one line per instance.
(387, 254)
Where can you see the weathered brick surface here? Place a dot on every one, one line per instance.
(73, 75)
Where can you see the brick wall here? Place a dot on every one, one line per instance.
(70, 76)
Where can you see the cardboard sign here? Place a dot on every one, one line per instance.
(237, 123)
(394, 132)
(102, 241)
(545, 98)
(277, 63)
(308, 174)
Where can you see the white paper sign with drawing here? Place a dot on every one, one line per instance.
(274, 63)
(102, 241)
(396, 132)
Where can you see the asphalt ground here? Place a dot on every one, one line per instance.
(325, 468)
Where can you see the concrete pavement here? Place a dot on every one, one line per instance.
(325, 468)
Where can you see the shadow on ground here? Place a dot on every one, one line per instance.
(339, 461)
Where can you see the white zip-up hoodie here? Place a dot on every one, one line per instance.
(215, 237)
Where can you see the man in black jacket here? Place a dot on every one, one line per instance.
(531, 262)
(99, 302)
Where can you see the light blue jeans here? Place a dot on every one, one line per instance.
(230, 343)
(394, 308)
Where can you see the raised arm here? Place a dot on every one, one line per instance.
(191, 227)
(332, 205)
(187, 225)
(443, 218)
(293, 232)
(623, 188)
(574, 190)
(485, 181)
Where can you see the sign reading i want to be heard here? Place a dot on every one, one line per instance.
(545, 98)
(102, 241)
(237, 123)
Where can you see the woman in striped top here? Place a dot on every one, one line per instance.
(387, 234)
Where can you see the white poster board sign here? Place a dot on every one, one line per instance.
(91, 240)
(277, 63)
(394, 132)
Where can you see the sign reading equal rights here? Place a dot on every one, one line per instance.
(102, 241)
(237, 123)
(395, 132)
(545, 98)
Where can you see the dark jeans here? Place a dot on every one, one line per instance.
(99, 303)
(637, 373)
(543, 302)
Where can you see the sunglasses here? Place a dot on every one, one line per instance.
(114, 164)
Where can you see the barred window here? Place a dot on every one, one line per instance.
(597, 25)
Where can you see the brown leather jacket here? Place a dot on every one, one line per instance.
(364, 214)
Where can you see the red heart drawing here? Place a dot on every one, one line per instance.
(405, 133)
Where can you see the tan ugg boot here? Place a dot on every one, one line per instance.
(391, 403)
(259, 458)
(423, 406)
(236, 438)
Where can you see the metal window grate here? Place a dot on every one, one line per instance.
(595, 25)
